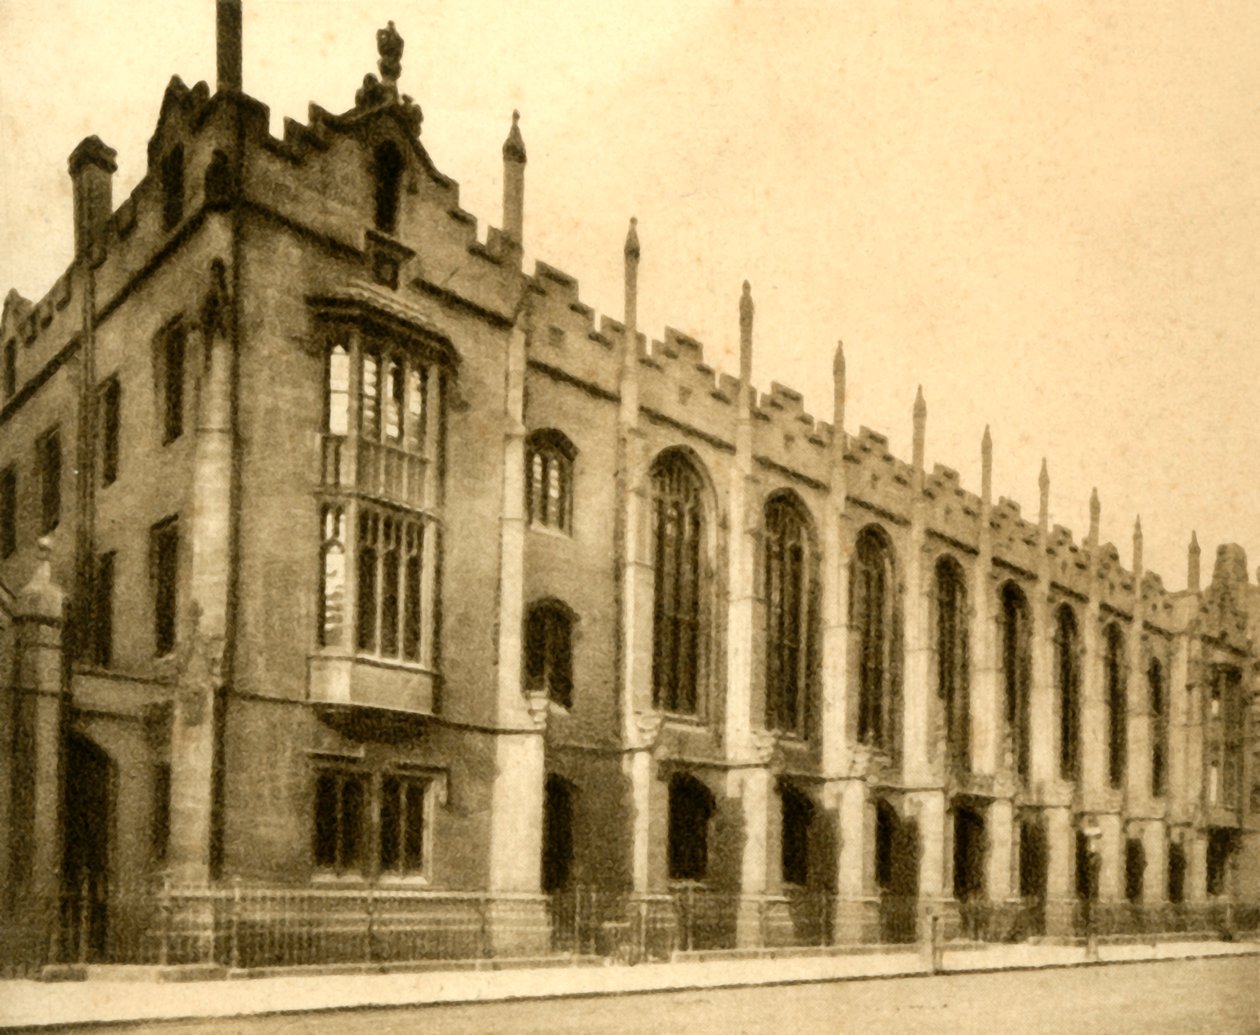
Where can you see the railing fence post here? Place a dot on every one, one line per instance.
(234, 951)
(483, 926)
(164, 920)
(371, 924)
(85, 913)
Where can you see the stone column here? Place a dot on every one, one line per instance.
(1093, 706)
(1137, 692)
(1060, 869)
(516, 807)
(752, 785)
(917, 697)
(987, 712)
(1155, 846)
(1112, 851)
(999, 866)
(1044, 737)
(857, 905)
(633, 543)
(834, 730)
(207, 543)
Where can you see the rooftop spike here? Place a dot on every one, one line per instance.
(920, 428)
(746, 311)
(632, 289)
(837, 394)
(1137, 547)
(1095, 513)
(1192, 566)
(986, 467)
(1044, 514)
(514, 183)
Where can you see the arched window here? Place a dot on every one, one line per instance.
(690, 809)
(337, 394)
(387, 170)
(1114, 676)
(874, 627)
(1159, 728)
(790, 585)
(549, 459)
(798, 814)
(549, 651)
(1067, 679)
(1016, 641)
(677, 611)
(953, 660)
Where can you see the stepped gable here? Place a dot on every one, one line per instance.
(1222, 615)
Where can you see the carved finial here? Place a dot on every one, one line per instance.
(1192, 565)
(514, 146)
(1043, 479)
(632, 240)
(1137, 545)
(390, 47)
(1095, 513)
(41, 597)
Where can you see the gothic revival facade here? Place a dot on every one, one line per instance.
(353, 555)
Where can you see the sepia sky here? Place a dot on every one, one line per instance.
(1046, 213)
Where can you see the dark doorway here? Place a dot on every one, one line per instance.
(798, 814)
(690, 808)
(1176, 873)
(896, 874)
(85, 859)
(1134, 869)
(969, 854)
(1032, 874)
(557, 858)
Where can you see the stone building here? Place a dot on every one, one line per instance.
(353, 555)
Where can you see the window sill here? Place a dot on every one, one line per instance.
(564, 535)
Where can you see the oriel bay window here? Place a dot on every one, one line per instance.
(379, 515)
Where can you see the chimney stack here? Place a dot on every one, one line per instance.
(92, 169)
(228, 43)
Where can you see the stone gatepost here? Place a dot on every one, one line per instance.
(39, 702)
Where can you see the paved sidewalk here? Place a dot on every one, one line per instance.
(56, 1005)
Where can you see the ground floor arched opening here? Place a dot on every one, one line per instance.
(87, 812)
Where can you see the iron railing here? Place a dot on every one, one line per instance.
(248, 926)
